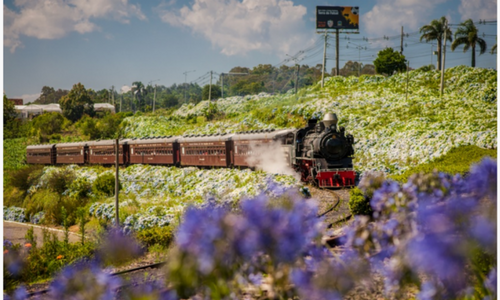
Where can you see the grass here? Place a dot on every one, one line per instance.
(457, 161)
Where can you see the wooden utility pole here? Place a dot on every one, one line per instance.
(210, 88)
(444, 56)
(154, 99)
(117, 183)
(297, 79)
(324, 62)
(402, 34)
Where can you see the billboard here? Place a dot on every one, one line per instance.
(337, 17)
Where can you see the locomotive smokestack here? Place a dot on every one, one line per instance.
(330, 119)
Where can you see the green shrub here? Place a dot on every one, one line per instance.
(60, 180)
(156, 236)
(359, 204)
(24, 178)
(80, 187)
(43, 262)
(105, 185)
(46, 201)
(13, 196)
(14, 153)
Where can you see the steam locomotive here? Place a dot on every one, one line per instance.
(320, 152)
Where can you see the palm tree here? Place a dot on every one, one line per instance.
(466, 34)
(139, 89)
(436, 31)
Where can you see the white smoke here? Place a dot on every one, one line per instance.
(270, 157)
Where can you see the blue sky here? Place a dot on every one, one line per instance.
(105, 43)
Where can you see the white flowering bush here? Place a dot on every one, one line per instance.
(14, 214)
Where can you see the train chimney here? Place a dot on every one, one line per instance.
(330, 119)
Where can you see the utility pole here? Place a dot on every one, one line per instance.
(296, 60)
(444, 56)
(210, 88)
(402, 34)
(324, 62)
(297, 79)
(117, 183)
(337, 52)
(185, 81)
(154, 98)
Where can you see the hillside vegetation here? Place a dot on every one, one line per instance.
(397, 122)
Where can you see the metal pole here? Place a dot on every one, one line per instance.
(117, 182)
(337, 53)
(324, 62)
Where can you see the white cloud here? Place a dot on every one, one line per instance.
(237, 27)
(387, 16)
(478, 10)
(53, 19)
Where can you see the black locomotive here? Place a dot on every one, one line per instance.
(320, 152)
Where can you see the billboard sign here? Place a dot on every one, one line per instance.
(337, 17)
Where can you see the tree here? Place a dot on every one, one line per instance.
(389, 61)
(466, 35)
(368, 69)
(351, 68)
(139, 90)
(215, 92)
(49, 95)
(435, 31)
(9, 110)
(77, 103)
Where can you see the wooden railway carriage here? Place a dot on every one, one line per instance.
(72, 153)
(103, 152)
(246, 143)
(206, 151)
(41, 154)
(163, 150)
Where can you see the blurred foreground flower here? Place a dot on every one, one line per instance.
(84, 281)
(220, 252)
(117, 247)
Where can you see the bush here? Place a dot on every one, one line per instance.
(24, 178)
(105, 185)
(80, 187)
(156, 236)
(359, 204)
(46, 201)
(60, 180)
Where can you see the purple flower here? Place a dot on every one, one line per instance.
(483, 179)
(84, 281)
(19, 294)
(117, 247)
(7, 244)
(491, 283)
